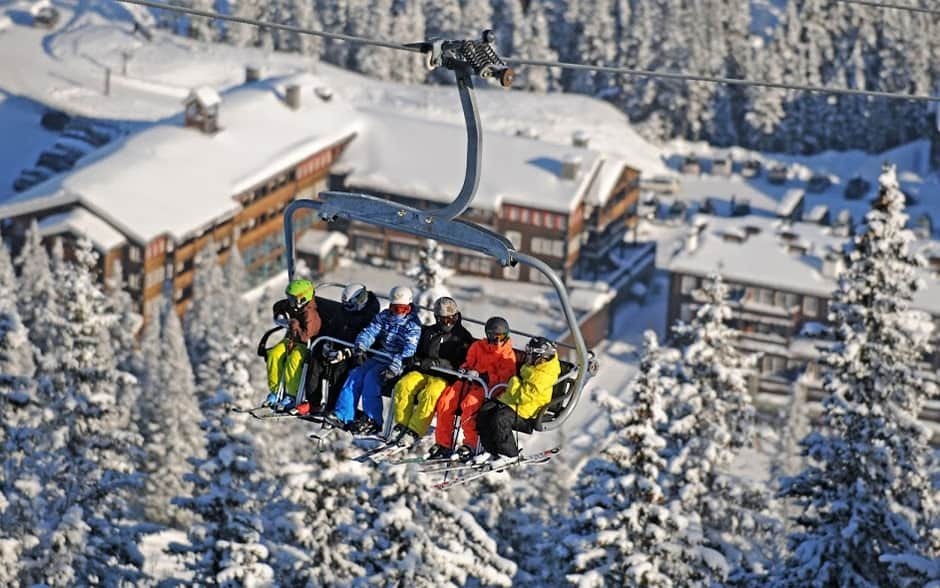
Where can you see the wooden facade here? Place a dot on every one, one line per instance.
(256, 229)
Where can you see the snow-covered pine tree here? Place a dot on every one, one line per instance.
(408, 23)
(84, 459)
(37, 294)
(625, 530)
(125, 330)
(371, 18)
(229, 491)
(16, 353)
(868, 513)
(532, 40)
(429, 275)
(349, 523)
(169, 415)
(522, 512)
(207, 324)
(710, 420)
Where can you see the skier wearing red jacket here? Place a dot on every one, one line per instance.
(493, 360)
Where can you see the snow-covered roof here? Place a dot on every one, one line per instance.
(173, 179)
(764, 257)
(791, 199)
(81, 222)
(401, 154)
(206, 96)
(317, 242)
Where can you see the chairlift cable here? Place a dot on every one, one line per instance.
(683, 76)
(888, 5)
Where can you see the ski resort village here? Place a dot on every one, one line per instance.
(450, 293)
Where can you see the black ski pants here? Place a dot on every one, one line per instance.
(495, 424)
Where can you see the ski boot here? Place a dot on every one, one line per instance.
(307, 409)
(365, 426)
(440, 452)
(271, 400)
(404, 437)
(286, 404)
(333, 421)
(465, 453)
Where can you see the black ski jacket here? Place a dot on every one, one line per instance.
(447, 349)
(345, 324)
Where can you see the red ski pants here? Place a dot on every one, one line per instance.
(467, 397)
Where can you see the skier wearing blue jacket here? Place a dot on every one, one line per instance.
(397, 330)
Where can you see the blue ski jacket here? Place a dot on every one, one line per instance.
(396, 335)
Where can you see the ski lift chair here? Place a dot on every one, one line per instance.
(465, 58)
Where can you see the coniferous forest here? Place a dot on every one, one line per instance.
(810, 42)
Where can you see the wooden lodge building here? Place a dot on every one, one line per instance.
(224, 170)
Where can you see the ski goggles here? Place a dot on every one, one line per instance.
(294, 301)
(447, 320)
(494, 338)
(399, 309)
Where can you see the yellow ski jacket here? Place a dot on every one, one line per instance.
(532, 389)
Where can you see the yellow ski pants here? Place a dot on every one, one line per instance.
(287, 365)
(416, 397)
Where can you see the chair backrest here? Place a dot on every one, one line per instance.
(560, 394)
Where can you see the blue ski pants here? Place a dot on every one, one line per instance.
(363, 382)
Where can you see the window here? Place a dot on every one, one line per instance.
(403, 251)
(685, 312)
(688, 284)
(810, 306)
(766, 296)
(780, 299)
(469, 263)
(515, 237)
(133, 253)
(792, 300)
(133, 281)
(511, 272)
(512, 213)
(367, 246)
(536, 218)
(560, 222)
(524, 215)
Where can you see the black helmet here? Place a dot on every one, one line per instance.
(539, 349)
(496, 329)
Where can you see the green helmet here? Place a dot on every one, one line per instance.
(299, 292)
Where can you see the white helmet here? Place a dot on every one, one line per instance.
(355, 297)
(401, 295)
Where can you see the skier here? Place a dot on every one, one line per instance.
(342, 320)
(285, 360)
(493, 360)
(397, 328)
(517, 406)
(443, 344)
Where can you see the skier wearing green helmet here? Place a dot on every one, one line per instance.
(286, 359)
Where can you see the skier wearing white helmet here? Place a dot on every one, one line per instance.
(397, 330)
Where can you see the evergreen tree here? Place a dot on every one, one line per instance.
(36, 295)
(626, 531)
(429, 275)
(208, 323)
(16, 354)
(407, 23)
(229, 491)
(351, 523)
(710, 419)
(124, 331)
(533, 42)
(868, 513)
(83, 456)
(169, 413)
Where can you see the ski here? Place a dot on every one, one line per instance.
(480, 470)
(253, 412)
(382, 452)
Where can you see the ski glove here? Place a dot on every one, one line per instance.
(395, 367)
(469, 373)
(359, 355)
(388, 374)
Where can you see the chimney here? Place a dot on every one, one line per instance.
(580, 139)
(292, 96)
(324, 93)
(202, 109)
(832, 264)
(252, 74)
(570, 166)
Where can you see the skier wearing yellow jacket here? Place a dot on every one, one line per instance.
(517, 406)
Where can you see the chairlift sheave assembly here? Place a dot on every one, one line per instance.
(464, 58)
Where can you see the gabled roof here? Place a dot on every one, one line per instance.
(399, 154)
(173, 179)
(81, 222)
